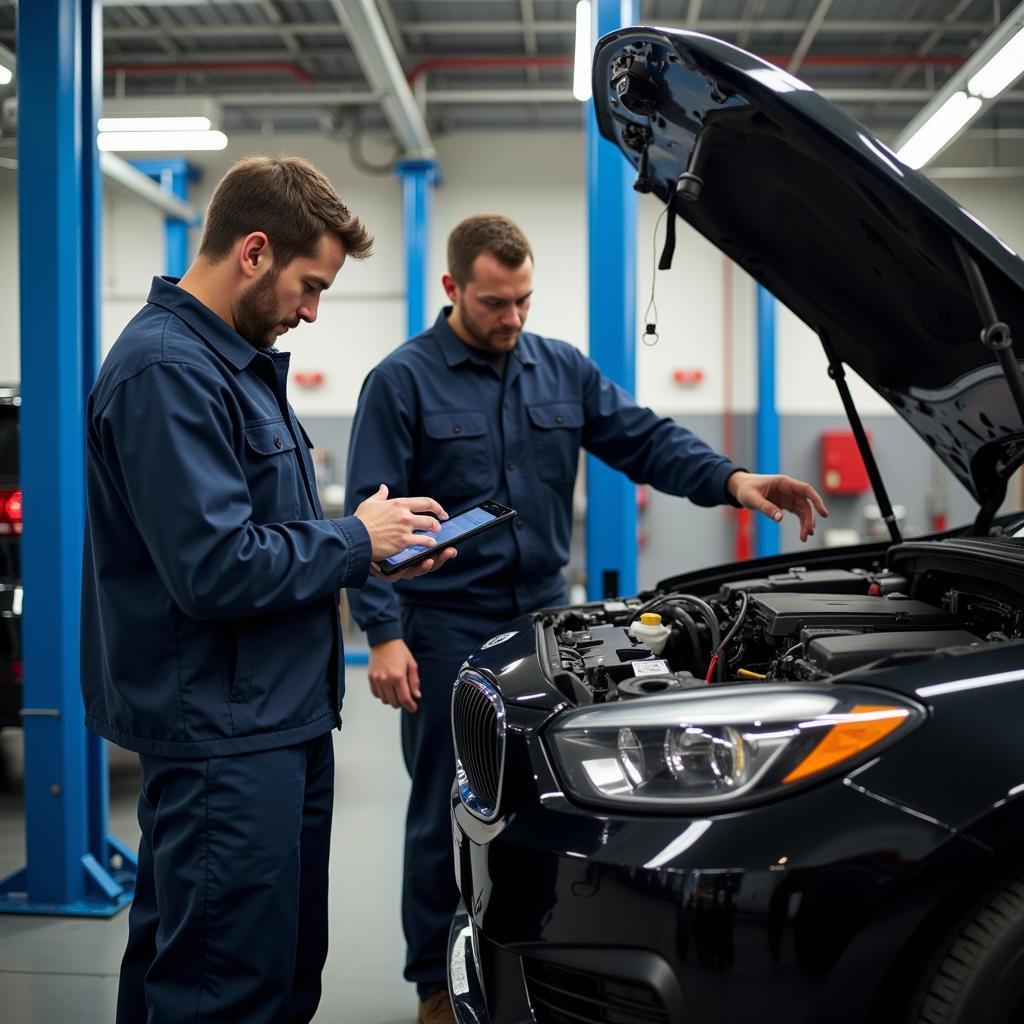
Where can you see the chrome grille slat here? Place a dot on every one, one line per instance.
(478, 728)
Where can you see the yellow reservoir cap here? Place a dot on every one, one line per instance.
(650, 619)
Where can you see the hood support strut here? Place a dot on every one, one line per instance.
(995, 336)
(838, 374)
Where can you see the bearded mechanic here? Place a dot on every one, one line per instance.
(210, 634)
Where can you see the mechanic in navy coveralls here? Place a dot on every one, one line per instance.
(210, 635)
(475, 408)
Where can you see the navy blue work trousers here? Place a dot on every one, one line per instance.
(440, 641)
(229, 921)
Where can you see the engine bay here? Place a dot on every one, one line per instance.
(801, 624)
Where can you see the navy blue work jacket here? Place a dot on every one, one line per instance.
(435, 418)
(211, 579)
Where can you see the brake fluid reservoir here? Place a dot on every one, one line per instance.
(650, 631)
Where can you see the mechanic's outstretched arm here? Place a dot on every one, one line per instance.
(771, 493)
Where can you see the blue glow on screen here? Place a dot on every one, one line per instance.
(449, 531)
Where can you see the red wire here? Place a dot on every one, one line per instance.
(711, 669)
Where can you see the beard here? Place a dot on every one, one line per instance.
(495, 340)
(257, 318)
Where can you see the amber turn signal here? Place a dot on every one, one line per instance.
(862, 727)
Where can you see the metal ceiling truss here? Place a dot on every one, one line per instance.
(406, 55)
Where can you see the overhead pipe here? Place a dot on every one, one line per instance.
(379, 63)
(202, 67)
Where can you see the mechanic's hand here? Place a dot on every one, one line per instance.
(419, 569)
(391, 524)
(394, 675)
(771, 493)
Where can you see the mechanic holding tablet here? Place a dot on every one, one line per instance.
(475, 410)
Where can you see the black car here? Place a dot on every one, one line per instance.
(802, 799)
(10, 561)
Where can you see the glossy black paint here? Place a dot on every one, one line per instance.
(815, 901)
(856, 244)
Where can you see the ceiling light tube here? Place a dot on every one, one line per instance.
(1003, 69)
(6, 75)
(154, 124)
(939, 130)
(160, 142)
(581, 87)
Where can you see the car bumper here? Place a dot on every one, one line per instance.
(464, 990)
(576, 916)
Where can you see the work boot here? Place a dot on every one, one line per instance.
(436, 1009)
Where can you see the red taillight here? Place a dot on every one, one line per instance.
(10, 512)
(17, 668)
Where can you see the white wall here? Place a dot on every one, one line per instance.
(538, 179)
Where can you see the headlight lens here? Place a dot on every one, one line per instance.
(721, 746)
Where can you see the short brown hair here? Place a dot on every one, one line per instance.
(290, 201)
(485, 232)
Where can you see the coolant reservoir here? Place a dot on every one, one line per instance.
(650, 631)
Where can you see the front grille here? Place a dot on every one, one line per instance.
(478, 724)
(562, 995)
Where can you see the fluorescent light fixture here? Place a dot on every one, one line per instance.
(939, 130)
(1001, 71)
(584, 52)
(6, 75)
(160, 142)
(155, 124)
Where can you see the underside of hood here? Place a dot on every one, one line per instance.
(860, 247)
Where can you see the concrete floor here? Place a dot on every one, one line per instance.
(65, 970)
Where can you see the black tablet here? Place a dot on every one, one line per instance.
(453, 533)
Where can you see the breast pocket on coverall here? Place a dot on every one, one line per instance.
(557, 429)
(272, 470)
(456, 460)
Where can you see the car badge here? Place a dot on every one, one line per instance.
(499, 639)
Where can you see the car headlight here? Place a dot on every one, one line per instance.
(722, 746)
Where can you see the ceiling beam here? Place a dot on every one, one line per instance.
(387, 12)
(807, 39)
(378, 61)
(712, 26)
(352, 96)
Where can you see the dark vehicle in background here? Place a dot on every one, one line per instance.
(799, 797)
(10, 561)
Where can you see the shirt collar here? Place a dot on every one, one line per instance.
(221, 337)
(456, 351)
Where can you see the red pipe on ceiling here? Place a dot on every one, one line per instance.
(561, 61)
(199, 66)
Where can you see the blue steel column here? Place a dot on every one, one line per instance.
(611, 239)
(418, 178)
(58, 69)
(172, 175)
(766, 455)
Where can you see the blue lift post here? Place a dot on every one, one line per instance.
(173, 176)
(766, 455)
(611, 240)
(73, 867)
(418, 178)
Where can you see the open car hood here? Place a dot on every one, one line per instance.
(810, 204)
